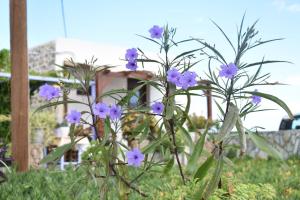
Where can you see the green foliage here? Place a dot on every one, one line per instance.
(47, 184)
(198, 122)
(247, 192)
(4, 111)
(249, 179)
(167, 137)
(4, 60)
(284, 178)
(45, 121)
(133, 124)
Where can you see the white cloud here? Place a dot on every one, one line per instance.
(285, 5)
(294, 7)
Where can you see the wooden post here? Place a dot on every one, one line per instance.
(209, 103)
(19, 84)
(102, 80)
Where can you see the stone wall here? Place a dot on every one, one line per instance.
(42, 58)
(287, 142)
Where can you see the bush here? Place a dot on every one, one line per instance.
(198, 122)
(44, 121)
(249, 179)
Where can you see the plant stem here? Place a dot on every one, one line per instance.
(171, 122)
(92, 113)
(226, 111)
(127, 183)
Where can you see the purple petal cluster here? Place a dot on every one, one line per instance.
(255, 99)
(156, 32)
(131, 56)
(185, 80)
(157, 107)
(115, 112)
(74, 117)
(228, 71)
(49, 92)
(173, 76)
(102, 111)
(135, 157)
(132, 65)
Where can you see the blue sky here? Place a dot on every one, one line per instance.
(116, 22)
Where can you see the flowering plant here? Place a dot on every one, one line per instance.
(112, 161)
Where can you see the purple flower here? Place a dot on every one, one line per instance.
(135, 157)
(157, 107)
(101, 110)
(228, 71)
(115, 112)
(188, 79)
(131, 65)
(156, 32)
(173, 76)
(255, 99)
(48, 92)
(131, 54)
(73, 117)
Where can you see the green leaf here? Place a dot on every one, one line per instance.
(242, 136)
(224, 35)
(187, 108)
(170, 107)
(220, 108)
(266, 41)
(203, 169)
(107, 130)
(152, 146)
(56, 103)
(229, 122)
(148, 60)
(265, 146)
(192, 162)
(169, 165)
(265, 62)
(212, 49)
(200, 87)
(187, 136)
(56, 153)
(149, 39)
(212, 185)
(275, 100)
(185, 53)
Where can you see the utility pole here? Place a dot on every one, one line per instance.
(19, 84)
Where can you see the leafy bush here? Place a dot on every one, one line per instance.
(44, 121)
(233, 84)
(43, 184)
(247, 192)
(4, 111)
(249, 179)
(198, 122)
(284, 177)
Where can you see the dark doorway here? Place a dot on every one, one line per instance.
(141, 97)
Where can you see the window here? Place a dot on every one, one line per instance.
(296, 123)
(141, 95)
